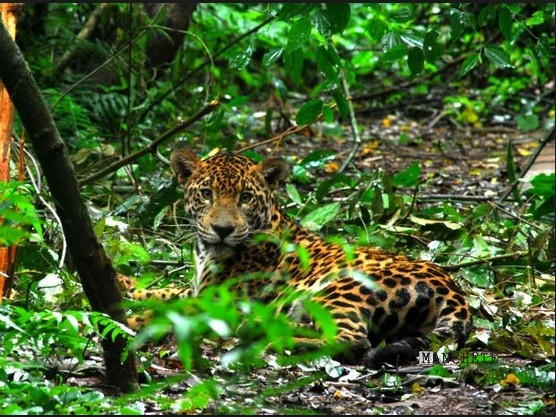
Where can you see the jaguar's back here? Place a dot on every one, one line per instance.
(372, 295)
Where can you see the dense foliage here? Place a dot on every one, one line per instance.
(329, 66)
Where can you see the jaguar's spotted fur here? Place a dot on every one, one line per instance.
(229, 201)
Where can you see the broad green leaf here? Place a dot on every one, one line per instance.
(324, 65)
(339, 14)
(322, 23)
(298, 34)
(290, 11)
(505, 22)
(272, 56)
(390, 40)
(377, 28)
(293, 61)
(498, 56)
(309, 112)
(322, 215)
(416, 60)
(431, 48)
(409, 177)
(469, 63)
(403, 14)
(242, 58)
(412, 40)
(487, 13)
(457, 19)
(395, 53)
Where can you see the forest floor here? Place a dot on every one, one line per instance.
(460, 161)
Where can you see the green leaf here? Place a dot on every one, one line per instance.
(290, 11)
(408, 177)
(377, 28)
(527, 122)
(416, 60)
(469, 63)
(242, 58)
(299, 34)
(309, 112)
(431, 48)
(341, 101)
(505, 22)
(403, 14)
(412, 40)
(324, 65)
(322, 215)
(293, 62)
(390, 40)
(457, 18)
(293, 194)
(395, 53)
(536, 19)
(272, 56)
(498, 56)
(339, 14)
(327, 114)
(487, 13)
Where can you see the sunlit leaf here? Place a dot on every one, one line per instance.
(241, 58)
(498, 56)
(322, 215)
(272, 56)
(298, 34)
(469, 63)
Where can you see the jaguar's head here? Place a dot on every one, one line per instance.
(228, 198)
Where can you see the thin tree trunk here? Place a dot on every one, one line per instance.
(98, 277)
(8, 16)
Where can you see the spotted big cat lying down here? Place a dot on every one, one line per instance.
(229, 202)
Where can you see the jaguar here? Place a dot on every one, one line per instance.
(387, 307)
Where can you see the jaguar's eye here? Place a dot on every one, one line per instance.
(206, 193)
(245, 197)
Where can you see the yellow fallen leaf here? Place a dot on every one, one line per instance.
(332, 167)
(337, 394)
(416, 388)
(510, 381)
(386, 122)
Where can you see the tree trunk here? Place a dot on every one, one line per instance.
(8, 12)
(98, 277)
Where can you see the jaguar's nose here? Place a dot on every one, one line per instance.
(223, 231)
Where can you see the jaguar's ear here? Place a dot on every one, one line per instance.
(183, 163)
(274, 172)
